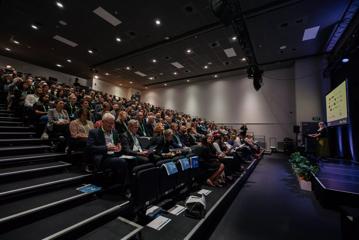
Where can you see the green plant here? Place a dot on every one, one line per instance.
(302, 166)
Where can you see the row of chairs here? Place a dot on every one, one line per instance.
(155, 182)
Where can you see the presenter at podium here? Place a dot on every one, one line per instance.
(322, 140)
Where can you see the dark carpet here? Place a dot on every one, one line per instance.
(272, 206)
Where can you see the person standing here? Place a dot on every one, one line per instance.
(322, 140)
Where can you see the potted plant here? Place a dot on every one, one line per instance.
(303, 168)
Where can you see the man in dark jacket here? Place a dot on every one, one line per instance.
(104, 147)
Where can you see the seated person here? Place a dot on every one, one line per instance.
(104, 148)
(58, 120)
(164, 146)
(209, 162)
(121, 122)
(142, 125)
(150, 122)
(158, 129)
(132, 146)
(71, 107)
(79, 130)
(41, 108)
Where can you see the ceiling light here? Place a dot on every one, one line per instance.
(230, 52)
(189, 51)
(107, 74)
(165, 84)
(209, 63)
(69, 61)
(175, 73)
(243, 59)
(345, 60)
(128, 68)
(58, 65)
(16, 42)
(118, 39)
(167, 38)
(151, 78)
(283, 47)
(234, 38)
(158, 22)
(63, 23)
(154, 60)
(310, 33)
(177, 65)
(65, 41)
(140, 74)
(161, 74)
(205, 67)
(95, 77)
(131, 82)
(8, 66)
(59, 4)
(90, 51)
(7, 49)
(188, 80)
(215, 76)
(108, 17)
(34, 26)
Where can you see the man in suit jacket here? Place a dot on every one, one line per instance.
(132, 146)
(164, 144)
(150, 125)
(142, 131)
(104, 147)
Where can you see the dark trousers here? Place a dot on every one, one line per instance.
(119, 168)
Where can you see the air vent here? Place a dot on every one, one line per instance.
(214, 44)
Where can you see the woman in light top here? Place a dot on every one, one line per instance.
(79, 129)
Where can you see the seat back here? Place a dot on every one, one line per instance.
(168, 173)
(184, 172)
(145, 142)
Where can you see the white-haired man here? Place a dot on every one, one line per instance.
(104, 148)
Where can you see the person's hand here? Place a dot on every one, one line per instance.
(118, 148)
(111, 147)
(143, 153)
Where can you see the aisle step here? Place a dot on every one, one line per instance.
(13, 160)
(10, 123)
(6, 114)
(33, 169)
(6, 135)
(16, 150)
(9, 119)
(22, 141)
(21, 187)
(19, 212)
(70, 223)
(15, 129)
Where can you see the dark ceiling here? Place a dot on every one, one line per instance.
(275, 29)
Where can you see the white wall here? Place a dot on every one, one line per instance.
(35, 70)
(233, 101)
(112, 89)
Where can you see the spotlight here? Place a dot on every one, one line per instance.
(256, 74)
(345, 60)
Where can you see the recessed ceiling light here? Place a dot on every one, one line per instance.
(128, 68)
(283, 47)
(34, 27)
(161, 74)
(188, 80)
(90, 51)
(7, 49)
(158, 22)
(108, 17)
(140, 74)
(189, 51)
(167, 38)
(177, 65)
(16, 42)
(151, 78)
(95, 77)
(215, 76)
(59, 4)
(107, 74)
(154, 60)
(234, 38)
(310, 33)
(120, 84)
(205, 67)
(8, 66)
(131, 82)
(118, 39)
(69, 61)
(165, 84)
(65, 41)
(58, 65)
(243, 59)
(345, 60)
(230, 52)
(175, 73)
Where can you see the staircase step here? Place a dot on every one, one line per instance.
(70, 223)
(13, 160)
(8, 114)
(32, 169)
(16, 150)
(16, 188)
(10, 123)
(22, 141)
(9, 119)
(15, 129)
(3, 110)
(22, 211)
(5, 135)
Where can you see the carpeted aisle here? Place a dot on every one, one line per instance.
(271, 206)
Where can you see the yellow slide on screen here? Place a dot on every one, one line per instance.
(336, 103)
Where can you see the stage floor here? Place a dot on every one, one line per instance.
(339, 177)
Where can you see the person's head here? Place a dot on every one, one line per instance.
(84, 114)
(45, 98)
(106, 107)
(73, 99)
(29, 81)
(183, 129)
(45, 88)
(115, 106)
(168, 134)
(150, 119)
(133, 126)
(84, 104)
(168, 119)
(108, 121)
(140, 116)
(321, 125)
(122, 115)
(158, 129)
(59, 104)
(174, 127)
(39, 91)
(25, 86)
